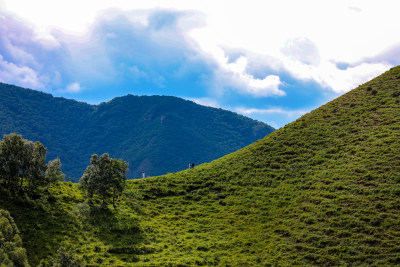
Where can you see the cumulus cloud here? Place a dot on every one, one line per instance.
(155, 50)
(275, 110)
(235, 76)
(274, 116)
(303, 50)
(72, 88)
(21, 75)
(390, 56)
(330, 76)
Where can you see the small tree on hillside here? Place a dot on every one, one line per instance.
(105, 177)
(14, 160)
(35, 176)
(21, 160)
(53, 173)
(23, 163)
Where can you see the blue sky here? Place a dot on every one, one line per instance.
(269, 60)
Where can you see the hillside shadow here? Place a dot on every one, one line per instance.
(43, 225)
(119, 230)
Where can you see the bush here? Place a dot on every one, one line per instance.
(11, 251)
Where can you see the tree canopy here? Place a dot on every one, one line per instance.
(11, 251)
(105, 177)
(23, 164)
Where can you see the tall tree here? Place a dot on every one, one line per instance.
(54, 173)
(23, 163)
(105, 177)
(21, 160)
(13, 160)
(35, 176)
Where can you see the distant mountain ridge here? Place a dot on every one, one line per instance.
(155, 134)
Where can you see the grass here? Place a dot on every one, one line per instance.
(323, 190)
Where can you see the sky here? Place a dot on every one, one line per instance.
(269, 60)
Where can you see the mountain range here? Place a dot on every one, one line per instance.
(155, 134)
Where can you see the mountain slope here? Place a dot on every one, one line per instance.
(156, 134)
(323, 190)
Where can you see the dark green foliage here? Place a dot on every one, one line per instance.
(11, 251)
(23, 165)
(105, 177)
(21, 162)
(156, 134)
(63, 258)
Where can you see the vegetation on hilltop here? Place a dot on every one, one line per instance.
(155, 134)
(323, 190)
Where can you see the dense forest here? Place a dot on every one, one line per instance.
(155, 134)
(323, 190)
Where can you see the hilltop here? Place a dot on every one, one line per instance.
(155, 134)
(323, 190)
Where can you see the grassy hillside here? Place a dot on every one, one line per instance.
(155, 134)
(323, 190)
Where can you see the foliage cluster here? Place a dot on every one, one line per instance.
(23, 165)
(105, 176)
(155, 134)
(11, 251)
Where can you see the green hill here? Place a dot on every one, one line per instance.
(155, 134)
(324, 190)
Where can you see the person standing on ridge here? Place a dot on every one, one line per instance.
(143, 175)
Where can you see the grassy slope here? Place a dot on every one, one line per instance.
(323, 190)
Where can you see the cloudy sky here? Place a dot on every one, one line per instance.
(269, 60)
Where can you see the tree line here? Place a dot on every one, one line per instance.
(23, 169)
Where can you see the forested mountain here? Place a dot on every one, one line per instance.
(324, 190)
(155, 134)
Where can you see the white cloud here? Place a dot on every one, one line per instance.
(205, 101)
(299, 35)
(276, 110)
(329, 76)
(303, 50)
(21, 75)
(235, 76)
(73, 88)
(274, 116)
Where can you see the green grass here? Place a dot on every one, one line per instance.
(324, 190)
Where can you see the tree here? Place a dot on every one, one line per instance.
(11, 251)
(53, 173)
(23, 162)
(35, 176)
(105, 177)
(14, 160)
